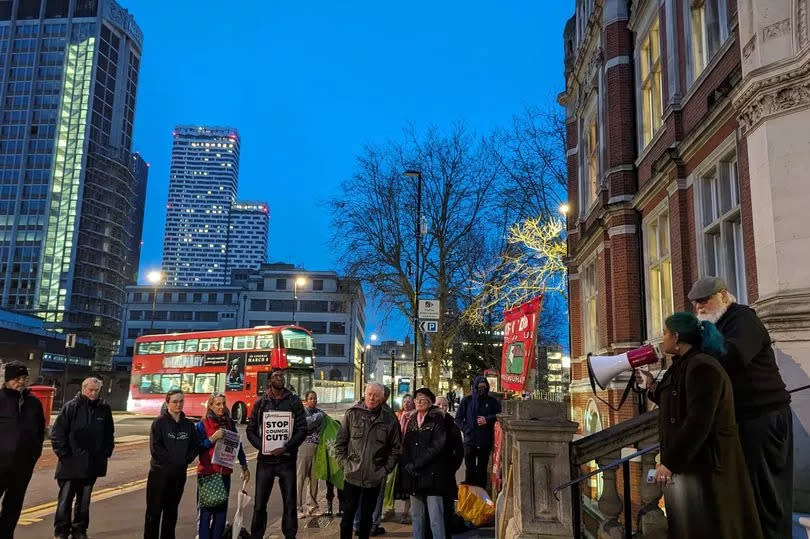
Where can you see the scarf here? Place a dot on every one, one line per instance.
(224, 421)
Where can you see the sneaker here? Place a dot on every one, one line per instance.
(379, 530)
(328, 512)
(339, 513)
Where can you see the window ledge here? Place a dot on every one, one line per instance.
(693, 88)
(650, 145)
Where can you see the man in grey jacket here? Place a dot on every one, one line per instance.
(367, 446)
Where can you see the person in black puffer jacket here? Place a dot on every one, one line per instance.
(424, 465)
(173, 444)
(83, 439)
(22, 423)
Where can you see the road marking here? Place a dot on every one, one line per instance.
(32, 515)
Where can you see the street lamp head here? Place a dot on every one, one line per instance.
(368, 347)
(373, 337)
(402, 356)
(154, 277)
(564, 209)
(300, 281)
(412, 173)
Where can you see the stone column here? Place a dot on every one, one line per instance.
(652, 519)
(610, 504)
(774, 114)
(539, 444)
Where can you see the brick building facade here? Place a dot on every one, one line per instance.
(661, 112)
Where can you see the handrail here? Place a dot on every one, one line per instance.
(610, 466)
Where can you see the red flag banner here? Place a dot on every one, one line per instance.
(519, 338)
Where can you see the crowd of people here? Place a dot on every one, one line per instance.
(416, 452)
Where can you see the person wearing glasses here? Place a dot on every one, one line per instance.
(761, 402)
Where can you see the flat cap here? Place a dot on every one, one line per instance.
(705, 287)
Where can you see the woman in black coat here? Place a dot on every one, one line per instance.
(706, 487)
(423, 464)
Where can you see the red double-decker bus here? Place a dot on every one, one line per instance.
(234, 361)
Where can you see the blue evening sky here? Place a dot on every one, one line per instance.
(308, 84)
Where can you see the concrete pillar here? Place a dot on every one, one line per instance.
(539, 435)
(773, 107)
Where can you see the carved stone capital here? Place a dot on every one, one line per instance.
(771, 96)
(785, 312)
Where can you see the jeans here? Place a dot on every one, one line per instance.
(211, 521)
(358, 499)
(305, 471)
(13, 484)
(164, 488)
(435, 507)
(376, 517)
(476, 460)
(69, 519)
(266, 474)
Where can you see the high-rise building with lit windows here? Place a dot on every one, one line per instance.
(69, 186)
(247, 235)
(202, 188)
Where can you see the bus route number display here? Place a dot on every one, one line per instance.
(276, 430)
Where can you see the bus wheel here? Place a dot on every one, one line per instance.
(239, 413)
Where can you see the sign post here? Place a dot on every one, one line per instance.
(70, 344)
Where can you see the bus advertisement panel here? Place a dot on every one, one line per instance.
(236, 361)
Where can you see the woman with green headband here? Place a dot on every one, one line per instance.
(706, 487)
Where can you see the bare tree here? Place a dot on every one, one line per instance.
(375, 226)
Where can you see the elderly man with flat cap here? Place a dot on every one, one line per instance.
(761, 402)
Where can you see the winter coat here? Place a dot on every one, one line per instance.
(22, 424)
(205, 428)
(173, 444)
(750, 363)
(453, 454)
(314, 417)
(368, 445)
(711, 494)
(424, 465)
(82, 438)
(487, 406)
(287, 403)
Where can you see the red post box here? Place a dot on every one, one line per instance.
(45, 396)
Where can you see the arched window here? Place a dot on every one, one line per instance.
(592, 423)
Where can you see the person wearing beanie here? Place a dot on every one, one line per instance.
(702, 470)
(22, 421)
(424, 466)
(475, 417)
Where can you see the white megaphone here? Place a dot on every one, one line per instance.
(603, 369)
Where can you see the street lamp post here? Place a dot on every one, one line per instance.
(418, 231)
(393, 370)
(299, 281)
(154, 277)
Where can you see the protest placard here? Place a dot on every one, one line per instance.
(276, 430)
(226, 450)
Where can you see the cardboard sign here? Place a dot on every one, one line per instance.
(276, 430)
(226, 450)
(519, 339)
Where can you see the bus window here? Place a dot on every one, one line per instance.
(173, 347)
(244, 342)
(205, 383)
(226, 343)
(191, 345)
(209, 345)
(143, 348)
(296, 339)
(169, 382)
(187, 385)
(150, 383)
(264, 342)
(155, 347)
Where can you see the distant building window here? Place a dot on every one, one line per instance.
(659, 272)
(314, 306)
(137, 296)
(337, 328)
(721, 225)
(227, 299)
(136, 315)
(182, 297)
(167, 297)
(281, 284)
(708, 29)
(314, 327)
(320, 349)
(197, 298)
(317, 284)
(258, 304)
(650, 82)
(206, 316)
(337, 307)
(590, 296)
(336, 350)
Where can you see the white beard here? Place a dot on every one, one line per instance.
(713, 317)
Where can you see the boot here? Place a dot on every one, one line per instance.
(328, 512)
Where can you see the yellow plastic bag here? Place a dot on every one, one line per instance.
(475, 505)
